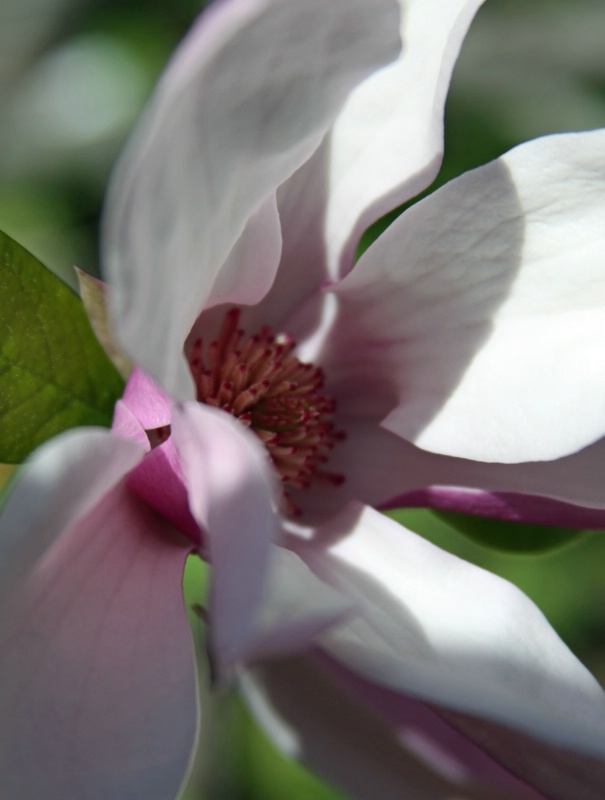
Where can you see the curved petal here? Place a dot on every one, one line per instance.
(559, 773)
(458, 744)
(60, 482)
(97, 677)
(246, 100)
(485, 301)
(440, 629)
(232, 495)
(385, 471)
(249, 270)
(295, 609)
(318, 722)
(302, 267)
(385, 146)
(387, 143)
(158, 480)
(423, 731)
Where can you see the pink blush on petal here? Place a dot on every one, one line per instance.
(509, 506)
(158, 480)
(147, 401)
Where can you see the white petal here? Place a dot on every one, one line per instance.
(230, 484)
(319, 723)
(302, 267)
(435, 627)
(245, 101)
(385, 146)
(61, 481)
(247, 274)
(387, 143)
(478, 315)
(295, 609)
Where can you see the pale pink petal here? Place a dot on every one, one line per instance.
(387, 143)
(60, 482)
(560, 773)
(97, 676)
(232, 495)
(322, 724)
(383, 470)
(477, 317)
(460, 746)
(245, 101)
(423, 731)
(435, 627)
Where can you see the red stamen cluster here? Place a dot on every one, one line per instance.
(259, 381)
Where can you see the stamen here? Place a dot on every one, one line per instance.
(259, 381)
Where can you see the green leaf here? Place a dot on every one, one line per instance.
(54, 373)
(510, 536)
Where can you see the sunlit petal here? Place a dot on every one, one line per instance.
(479, 313)
(441, 629)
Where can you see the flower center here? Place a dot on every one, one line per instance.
(259, 381)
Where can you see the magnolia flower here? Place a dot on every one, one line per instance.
(280, 394)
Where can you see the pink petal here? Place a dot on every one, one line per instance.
(385, 471)
(434, 627)
(158, 480)
(232, 495)
(321, 723)
(507, 506)
(477, 318)
(97, 678)
(127, 426)
(150, 404)
(246, 100)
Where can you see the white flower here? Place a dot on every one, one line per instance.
(466, 342)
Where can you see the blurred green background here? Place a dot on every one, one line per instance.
(74, 75)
